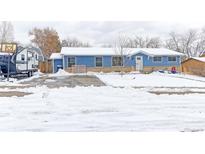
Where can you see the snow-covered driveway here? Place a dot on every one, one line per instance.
(104, 108)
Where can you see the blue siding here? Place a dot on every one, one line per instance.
(129, 61)
(58, 63)
(148, 61)
(89, 61)
(107, 61)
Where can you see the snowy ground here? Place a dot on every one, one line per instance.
(126, 104)
(152, 80)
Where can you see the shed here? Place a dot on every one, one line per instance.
(194, 66)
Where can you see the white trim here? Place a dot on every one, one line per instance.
(63, 62)
(171, 61)
(142, 63)
(157, 61)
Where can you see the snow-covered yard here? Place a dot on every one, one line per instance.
(152, 80)
(126, 104)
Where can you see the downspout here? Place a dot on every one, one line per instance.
(63, 63)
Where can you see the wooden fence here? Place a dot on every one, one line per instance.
(46, 66)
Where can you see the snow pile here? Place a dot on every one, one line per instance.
(56, 56)
(11, 82)
(60, 72)
(35, 76)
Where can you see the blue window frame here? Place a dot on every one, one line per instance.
(157, 59)
(98, 61)
(71, 61)
(172, 59)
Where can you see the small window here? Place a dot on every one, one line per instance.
(172, 59)
(23, 57)
(36, 57)
(71, 61)
(157, 59)
(116, 61)
(98, 61)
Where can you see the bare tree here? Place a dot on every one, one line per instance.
(174, 42)
(189, 43)
(6, 32)
(153, 42)
(74, 42)
(145, 42)
(121, 49)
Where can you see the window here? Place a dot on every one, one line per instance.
(71, 61)
(98, 61)
(36, 57)
(157, 59)
(22, 57)
(172, 59)
(116, 61)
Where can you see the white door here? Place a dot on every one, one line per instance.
(139, 63)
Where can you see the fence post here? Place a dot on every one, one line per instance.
(8, 69)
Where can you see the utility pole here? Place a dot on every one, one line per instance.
(8, 68)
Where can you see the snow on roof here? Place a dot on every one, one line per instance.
(5, 53)
(111, 51)
(55, 56)
(199, 58)
(93, 51)
(157, 52)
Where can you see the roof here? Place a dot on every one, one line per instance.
(89, 51)
(111, 51)
(31, 49)
(202, 59)
(5, 53)
(55, 56)
(157, 52)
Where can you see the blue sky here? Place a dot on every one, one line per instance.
(98, 33)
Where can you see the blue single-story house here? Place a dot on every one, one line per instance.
(108, 59)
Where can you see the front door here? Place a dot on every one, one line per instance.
(139, 63)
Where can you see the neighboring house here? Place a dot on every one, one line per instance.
(28, 58)
(107, 60)
(194, 66)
